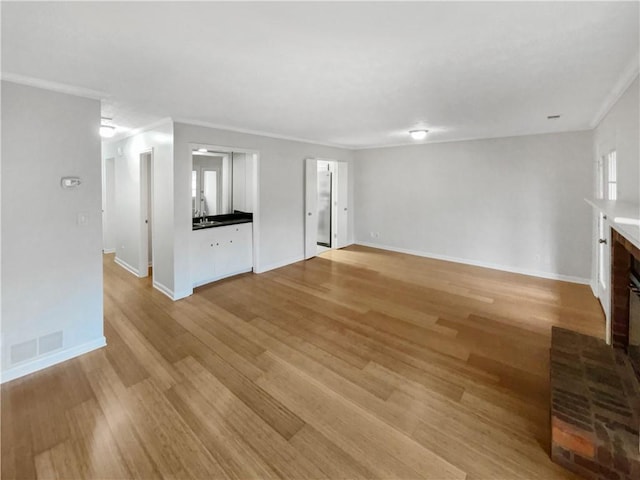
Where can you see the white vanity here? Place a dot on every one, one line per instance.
(222, 201)
(221, 251)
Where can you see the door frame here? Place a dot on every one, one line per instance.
(146, 181)
(311, 207)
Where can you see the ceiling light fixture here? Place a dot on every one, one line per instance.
(418, 134)
(106, 131)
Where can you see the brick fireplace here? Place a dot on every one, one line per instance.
(595, 392)
(623, 253)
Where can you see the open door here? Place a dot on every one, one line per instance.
(603, 270)
(343, 205)
(146, 213)
(311, 208)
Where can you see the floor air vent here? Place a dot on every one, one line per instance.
(49, 343)
(21, 352)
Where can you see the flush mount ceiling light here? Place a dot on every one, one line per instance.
(107, 131)
(418, 134)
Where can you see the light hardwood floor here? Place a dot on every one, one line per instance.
(356, 364)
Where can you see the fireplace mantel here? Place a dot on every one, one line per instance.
(624, 217)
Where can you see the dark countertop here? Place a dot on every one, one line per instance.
(211, 221)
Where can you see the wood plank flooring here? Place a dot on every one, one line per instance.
(360, 363)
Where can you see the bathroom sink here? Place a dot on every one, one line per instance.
(208, 223)
(219, 220)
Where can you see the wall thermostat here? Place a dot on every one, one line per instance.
(70, 182)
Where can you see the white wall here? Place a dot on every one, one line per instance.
(280, 218)
(108, 205)
(128, 217)
(242, 186)
(620, 130)
(51, 266)
(511, 203)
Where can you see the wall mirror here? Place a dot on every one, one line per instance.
(221, 182)
(210, 184)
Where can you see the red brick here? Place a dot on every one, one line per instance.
(570, 438)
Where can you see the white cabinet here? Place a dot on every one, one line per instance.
(220, 252)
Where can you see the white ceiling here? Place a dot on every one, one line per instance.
(352, 74)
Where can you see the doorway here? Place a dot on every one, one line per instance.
(224, 180)
(326, 205)
(146, 213)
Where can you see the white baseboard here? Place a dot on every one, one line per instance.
(108, 250)
(594, 288)
(273, 266)
(183, 294)
(170, 293)
(51, 359)
(126, 266)
(163, 289)
(475, 263)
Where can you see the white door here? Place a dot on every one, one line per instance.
(146, 210)
(149, 211)
(604, 268)
(343, 205)
(311, 208)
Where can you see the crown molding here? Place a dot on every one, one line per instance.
(122, 136)
(468, 139)
(260, 133)
(628, 75)
(53, 86)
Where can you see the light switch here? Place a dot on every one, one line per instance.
(70, 182)
(83, 219)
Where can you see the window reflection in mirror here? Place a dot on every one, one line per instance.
(211, 184)
(221, 182)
